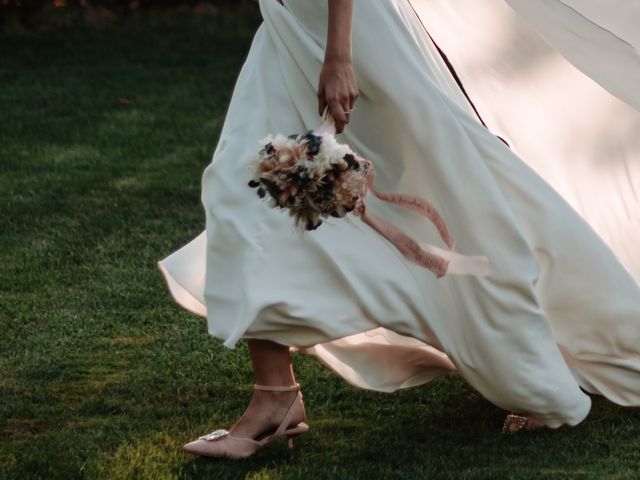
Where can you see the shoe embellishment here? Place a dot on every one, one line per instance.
(513, 423)
(221, 432)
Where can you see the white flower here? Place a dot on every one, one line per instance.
(333, 151)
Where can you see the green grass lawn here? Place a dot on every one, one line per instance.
(102, 375)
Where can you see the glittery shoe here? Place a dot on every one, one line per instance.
(515, 422)
(221, 443)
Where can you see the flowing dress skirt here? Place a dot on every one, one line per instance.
(558, 312)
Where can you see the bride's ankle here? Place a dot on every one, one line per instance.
(267, 409)
(269, 398)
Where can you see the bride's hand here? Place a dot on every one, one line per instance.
(338, 89)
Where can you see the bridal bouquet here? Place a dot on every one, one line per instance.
(314, 177)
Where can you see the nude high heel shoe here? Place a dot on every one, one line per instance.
(221, 443)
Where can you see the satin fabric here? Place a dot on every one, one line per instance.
(559, 310)
(600, 38)
(580, 133)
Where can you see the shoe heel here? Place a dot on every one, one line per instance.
(290, 439)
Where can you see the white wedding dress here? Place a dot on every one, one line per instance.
(560, 309)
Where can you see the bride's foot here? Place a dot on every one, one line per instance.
(266, 411)
(273, 411)
(515, 422)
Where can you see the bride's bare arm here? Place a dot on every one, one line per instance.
(337, 86)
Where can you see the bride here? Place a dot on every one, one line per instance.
(557, 318)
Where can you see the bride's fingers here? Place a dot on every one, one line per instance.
(348, 110)
(348, 118)
(338, 113)
(322, 102)
(352, 101)
(337, 110)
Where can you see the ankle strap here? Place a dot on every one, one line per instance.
(277, 388)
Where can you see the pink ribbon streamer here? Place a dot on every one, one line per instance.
(454, 263)
(411, 249)
(403, 242)
(407, 245)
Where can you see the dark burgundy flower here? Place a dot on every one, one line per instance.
(351, 161)
(272, 188)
